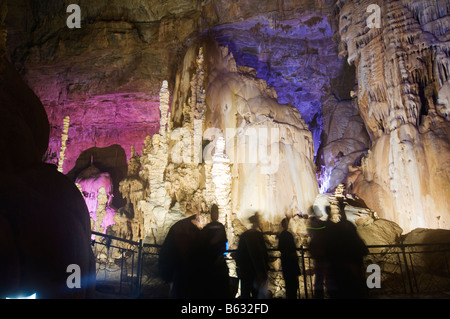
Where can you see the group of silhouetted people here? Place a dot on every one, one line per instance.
(338, 254)
(192, 259)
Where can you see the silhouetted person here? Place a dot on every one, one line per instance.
(252, 261)
(317, 233)
(345, 252)
(181, 260)
(216, 270)
(289, 260)
(44, 222)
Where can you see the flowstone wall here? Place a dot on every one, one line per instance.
(402, 73)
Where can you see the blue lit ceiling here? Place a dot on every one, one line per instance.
(298, 57)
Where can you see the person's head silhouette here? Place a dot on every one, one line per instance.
(285, 223)
(214, 213)
(255, 221)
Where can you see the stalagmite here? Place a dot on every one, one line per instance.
(154, 163)
(221, 177)
(102, 200)
(64, 138)
(164, 96)
(267, 144)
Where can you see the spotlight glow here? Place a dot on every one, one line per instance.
(33, 296)
(324, 178)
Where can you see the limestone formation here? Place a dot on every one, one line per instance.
(267, 143)
(356, 211)
(205, 155)
(221, 177)
(163, 108)
(157, 201)
(96, 187)
(402, 74)
(102, 200)
(64, 138)
(133, 189)
(344, 142)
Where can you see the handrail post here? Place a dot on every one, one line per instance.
(139, 270)
(121, 273)
(305, 283)
(402, 247)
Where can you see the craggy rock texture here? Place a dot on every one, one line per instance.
(296, 54)
(107, 74)
(402, 73)
(344, 142)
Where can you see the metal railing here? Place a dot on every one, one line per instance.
(118, 264)
(420, 268)
(127, 268)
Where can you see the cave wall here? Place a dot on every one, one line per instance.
(402, 73)
(107, 74)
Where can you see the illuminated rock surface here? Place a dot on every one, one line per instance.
(402, 69)
(96, 188)
(364, 106)
(180, 177)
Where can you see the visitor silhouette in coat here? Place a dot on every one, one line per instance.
(345, 251)
(252, 261)
(44, 221)
(317, 233)
(181, 262)
(289, 260)
(216, 270)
